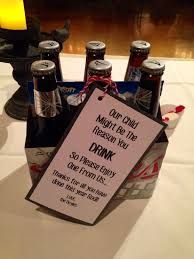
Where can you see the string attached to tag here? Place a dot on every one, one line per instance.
(110, 85)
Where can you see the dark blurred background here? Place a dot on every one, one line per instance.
(167, 24)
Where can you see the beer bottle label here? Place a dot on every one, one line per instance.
(47, 104)
(75, 99)
(143, 98)
(37, 158)
(134, 74)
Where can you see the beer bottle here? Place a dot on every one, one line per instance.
(102, 68)
(48, 107)
(49, 50)
(148, 94)
(94, 50)
(139, 52)
(95, 68)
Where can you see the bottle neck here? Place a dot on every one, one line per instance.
(147, 78)
(106, 75)
(55, 58)
(45, 83)
(49, 56)
(47, 99)
(137, 58)
(97, 79)
(148, 94)
(91, 57)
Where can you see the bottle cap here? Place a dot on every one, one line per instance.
(140, 46)
(43, 68)
(153, 67)
(95, 46)
(100, 67)
(49, 46)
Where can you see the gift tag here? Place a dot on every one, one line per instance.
(102, 145)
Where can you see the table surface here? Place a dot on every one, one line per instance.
(159, 228)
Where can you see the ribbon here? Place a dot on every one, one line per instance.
(107, 80)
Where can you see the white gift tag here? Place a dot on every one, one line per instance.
(103, 144)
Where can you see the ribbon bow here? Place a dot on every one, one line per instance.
(109, 84)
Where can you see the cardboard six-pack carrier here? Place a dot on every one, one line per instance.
(140, 183)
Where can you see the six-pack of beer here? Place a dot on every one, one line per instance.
(54, 103)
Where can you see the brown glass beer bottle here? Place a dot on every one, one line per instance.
(100, 68)
(94, 50)
(148, 94)
(139, 52)
(49, 50)
(47, 100)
